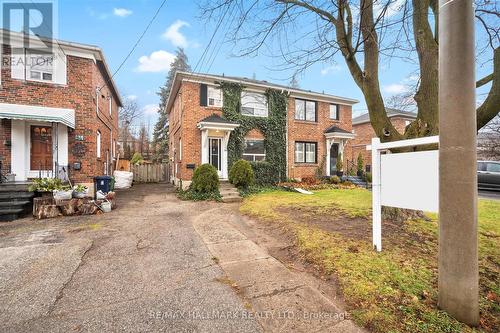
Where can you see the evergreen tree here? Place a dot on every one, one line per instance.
(160, 137)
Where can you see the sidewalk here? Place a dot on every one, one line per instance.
(281, 299)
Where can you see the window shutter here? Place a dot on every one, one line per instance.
(338, 112)
(203, 95)
(316, 111)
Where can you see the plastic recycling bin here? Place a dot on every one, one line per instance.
(102, 183)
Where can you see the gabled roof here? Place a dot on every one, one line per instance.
(336, 129)
(258, 85)
(365, 118)
(70, 48)
(215, 118)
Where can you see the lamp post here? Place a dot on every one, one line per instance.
(458, 278)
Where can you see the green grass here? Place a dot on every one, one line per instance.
(391, 291)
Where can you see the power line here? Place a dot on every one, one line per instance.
(211, 39)
(137, 42)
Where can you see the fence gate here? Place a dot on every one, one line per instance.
(150, 173)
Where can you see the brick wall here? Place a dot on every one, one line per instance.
(5, 137)
(83, 76)
(364, 134)
(299, 130)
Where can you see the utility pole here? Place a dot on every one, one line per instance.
(458, 278)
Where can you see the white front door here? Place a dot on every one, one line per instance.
(215, 154)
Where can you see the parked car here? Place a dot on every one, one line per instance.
(488, 175)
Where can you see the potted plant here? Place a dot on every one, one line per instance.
(80, 191)
(360, 165)
(48, 186)
(339, 166)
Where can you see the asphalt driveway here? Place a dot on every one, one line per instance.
(139, 268)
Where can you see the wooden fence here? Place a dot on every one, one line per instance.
(150, 173)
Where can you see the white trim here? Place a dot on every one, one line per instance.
(204, 125)
(38, 113)
(339, 135)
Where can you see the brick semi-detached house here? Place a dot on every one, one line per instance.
(364, 132)
(318, 126)
(58, 110)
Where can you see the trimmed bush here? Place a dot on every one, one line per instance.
(264, 173)
(360, 163)
(205, 179)
(241, 174)
(368, 177)
(334, 180)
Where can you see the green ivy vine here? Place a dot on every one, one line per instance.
(273, 128)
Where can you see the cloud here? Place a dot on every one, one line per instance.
(131, 97)
(330, 69)
(158, 61)
(395, 88)
(122, 12)
(393, 7)
(150, 109)
(173, 35)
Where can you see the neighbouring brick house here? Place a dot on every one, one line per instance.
(364, 132)
(317, 126)
(58, 110)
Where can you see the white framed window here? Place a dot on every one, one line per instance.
(39, 67)
(110, 99)
(98, 144)
(180, 149)
(214, 96)
(253, 104)
(305, 152)
(254, 150)
(334, 111)
(305, 110)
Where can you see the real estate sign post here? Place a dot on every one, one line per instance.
(458, 252)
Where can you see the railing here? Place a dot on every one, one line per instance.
(55, 171)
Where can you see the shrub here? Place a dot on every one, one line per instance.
(339, 163)
(360, 163)
(334, 180)
(192, 195)
(310, 181)
(48, 185)
(264, 173)
(241, 174)
(368, 177)
(136, 159)
(205, 179)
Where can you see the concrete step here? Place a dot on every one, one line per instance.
(14, 187)
(232, 199)
(14, 203)
(15, 195)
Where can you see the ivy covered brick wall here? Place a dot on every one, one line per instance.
(273, 127)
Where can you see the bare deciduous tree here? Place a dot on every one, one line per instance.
(363, 32)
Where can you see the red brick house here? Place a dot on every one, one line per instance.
(58, 110)
(364, 132)
(317, 126)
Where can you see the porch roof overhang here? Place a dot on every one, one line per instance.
(216, 122)
(38, 113)
(338, 133)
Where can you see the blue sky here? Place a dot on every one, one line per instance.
(114, 25)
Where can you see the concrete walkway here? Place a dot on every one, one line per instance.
(141, 268)
(282, 301)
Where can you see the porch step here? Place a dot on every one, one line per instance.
(229, 193)
(358, 181)
(15, 201)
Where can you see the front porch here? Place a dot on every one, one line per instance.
(38, 145)
(336, 139)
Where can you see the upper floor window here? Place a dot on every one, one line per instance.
(214, 95)
(110, 100)
(305, 110)
(334, 111)
(253, 104)
(254, 150)
(39, 67)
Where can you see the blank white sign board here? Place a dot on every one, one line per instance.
(410, 180)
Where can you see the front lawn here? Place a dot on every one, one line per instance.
(391, 291)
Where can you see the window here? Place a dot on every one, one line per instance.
(493, 167)
(305, 110)
(305, 152)
(98, 144)
(214, 96)
(253, 104)
(110, 99)
(39, 67)
(254, 150)
(334, 111)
